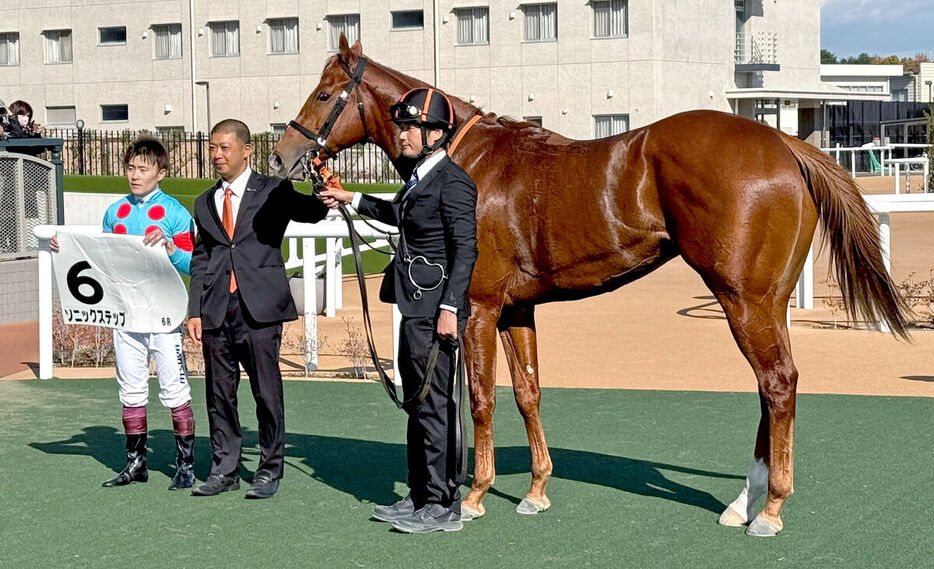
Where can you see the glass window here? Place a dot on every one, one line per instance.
(57, 46)
(283, 35)
(115, 35)
(609, 125)
(225, 38)
(168, 41)
(60, 116)
(277, 128)
(537, 121)
(9, 48)
(609, 19)
(473, 26)
(541, 22)
(113, 113)
(408, 20)
(347, 24)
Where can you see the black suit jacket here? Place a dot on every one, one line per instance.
(439, 223)
(255, 252)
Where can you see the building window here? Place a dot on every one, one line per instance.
(900, 95)
(537, 121)
(347, 24)
(115, 35)
(225, 39)
(277, 128)
(57, 46)
(171, 131)
(115, 113)
(541, 22)
(610, 19)
(283, 35)
(9, 48)
(609, 125)
(408, 20)
(473, 26)
(168, 41)
(60, 116)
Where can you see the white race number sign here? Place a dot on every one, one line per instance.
(116, 281)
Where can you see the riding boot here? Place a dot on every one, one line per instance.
(135, 470)
(185, 463)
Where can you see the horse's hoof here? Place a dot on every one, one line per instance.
(528, 506)
(761, 527)
(468, 513)
(731, 518)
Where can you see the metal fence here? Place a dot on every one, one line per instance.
(100, 153)
(27, 199)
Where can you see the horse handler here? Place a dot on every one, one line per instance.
(428, 279)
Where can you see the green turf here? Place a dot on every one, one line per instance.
(639, 480)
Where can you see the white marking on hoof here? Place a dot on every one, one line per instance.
(528, 506)
(761, 527)
(731, 518)
(529, 369)
(468, 513)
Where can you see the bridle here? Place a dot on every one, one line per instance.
(320, 138)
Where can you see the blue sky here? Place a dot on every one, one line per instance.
(902, 27)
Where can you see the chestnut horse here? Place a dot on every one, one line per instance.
(562, 219)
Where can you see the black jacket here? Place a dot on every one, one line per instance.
(255, 252)
(439, 224)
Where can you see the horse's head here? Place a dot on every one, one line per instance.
(333, 117)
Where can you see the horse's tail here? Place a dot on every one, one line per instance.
(867, 288)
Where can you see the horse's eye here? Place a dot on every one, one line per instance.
(324, 96)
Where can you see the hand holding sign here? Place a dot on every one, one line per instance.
(117, 281)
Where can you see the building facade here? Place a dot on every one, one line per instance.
(584, 68)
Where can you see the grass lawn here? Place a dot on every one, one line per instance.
(639, 480)
(185, 190)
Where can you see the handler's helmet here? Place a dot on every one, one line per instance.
(426, 108)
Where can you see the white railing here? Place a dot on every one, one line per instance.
(333, 229)
(889, 165)
(756, 47)
(882, 206)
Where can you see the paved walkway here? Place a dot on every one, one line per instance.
(19, 350)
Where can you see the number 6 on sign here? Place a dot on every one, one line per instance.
(116, 281)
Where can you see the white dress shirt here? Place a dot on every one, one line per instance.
(238, 186)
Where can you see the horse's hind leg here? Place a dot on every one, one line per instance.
(518, 334)
(760, 329)
(480, 344)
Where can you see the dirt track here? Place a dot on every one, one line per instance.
(665, 331)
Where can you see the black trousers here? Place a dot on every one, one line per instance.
(240, 340)
(431, 437)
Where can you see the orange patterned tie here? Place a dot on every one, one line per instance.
(228, 222)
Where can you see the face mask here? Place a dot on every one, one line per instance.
(23, 120)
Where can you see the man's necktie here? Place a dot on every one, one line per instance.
(408, 190)
(227, 220)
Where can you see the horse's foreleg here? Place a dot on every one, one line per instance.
(480, 345)
(518, 335)
(761, 333)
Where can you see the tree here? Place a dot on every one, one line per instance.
(860, 59)
(827, 57)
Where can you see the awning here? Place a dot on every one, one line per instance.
(804, 94)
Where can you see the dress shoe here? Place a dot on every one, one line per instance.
(263, 487)
(433, 517)
(135, 470)
(402, 508)
(184, 463)
(215, 484)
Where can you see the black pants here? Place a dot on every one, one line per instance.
(240, 340)
(431, 437)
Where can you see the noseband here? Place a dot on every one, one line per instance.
(321, 138)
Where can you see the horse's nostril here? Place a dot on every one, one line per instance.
(275, 161)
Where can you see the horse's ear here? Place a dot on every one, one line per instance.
(357, 48)
(344, 47)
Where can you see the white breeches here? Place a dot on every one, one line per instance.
(131, 351)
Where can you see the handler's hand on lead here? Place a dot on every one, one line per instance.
(447, 324)
(53, 244)
(194, 330)
(333, 197)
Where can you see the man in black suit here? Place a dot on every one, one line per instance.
(428, 279)
(239, 297)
